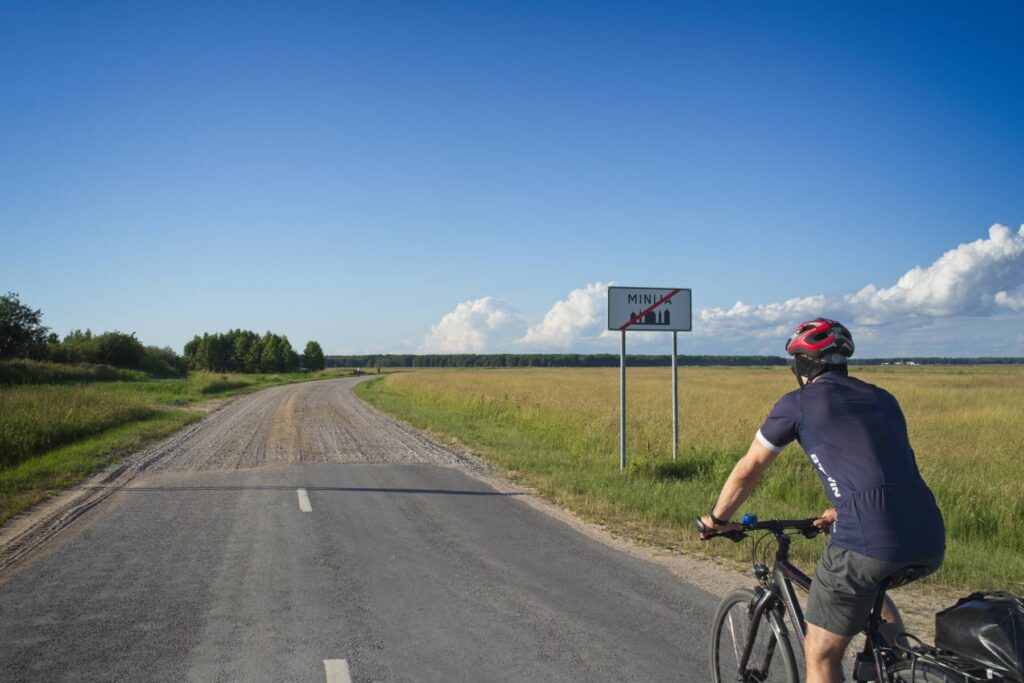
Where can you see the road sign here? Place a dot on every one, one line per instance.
(650, 308)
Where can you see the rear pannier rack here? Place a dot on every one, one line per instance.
(968, 671)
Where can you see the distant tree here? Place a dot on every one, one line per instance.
(196, 352)
(21, 329)
(313, 357)
(120, 350)
(251, 361)
(77, 347)
(272, 354)
(245, 353)
(191, 347)
(163, 362)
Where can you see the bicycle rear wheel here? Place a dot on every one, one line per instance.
(919, 672)
(771, 657)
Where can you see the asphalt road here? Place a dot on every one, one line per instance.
(356, 562)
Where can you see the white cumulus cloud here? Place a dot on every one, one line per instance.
(760, 319)
(580, 317)
(475, 326)
(983, 278)
(974, 279)
(1012, 300)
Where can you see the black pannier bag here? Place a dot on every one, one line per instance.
(987, 628)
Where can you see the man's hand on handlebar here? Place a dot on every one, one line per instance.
(827, 519)
(709, 526)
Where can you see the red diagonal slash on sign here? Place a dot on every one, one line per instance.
(650, 308)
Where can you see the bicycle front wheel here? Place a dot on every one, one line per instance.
(771, 657)
(919, 672)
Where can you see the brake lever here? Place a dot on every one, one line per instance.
(812, 532)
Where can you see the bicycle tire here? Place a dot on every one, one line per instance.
(771, 650)
(921, 672)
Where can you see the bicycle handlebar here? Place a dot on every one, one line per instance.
(777, 526)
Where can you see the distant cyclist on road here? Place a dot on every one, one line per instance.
(884, 516)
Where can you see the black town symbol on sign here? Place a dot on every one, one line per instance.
(651, 318)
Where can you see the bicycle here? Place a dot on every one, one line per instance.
(751, 643)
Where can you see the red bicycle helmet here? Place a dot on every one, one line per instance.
(821, 339)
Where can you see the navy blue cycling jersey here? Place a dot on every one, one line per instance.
(856, 438)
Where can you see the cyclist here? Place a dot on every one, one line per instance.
(884, 518)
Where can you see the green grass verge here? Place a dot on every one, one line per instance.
(21, 371)
(38, 418)
(563, 446)
(38, 478)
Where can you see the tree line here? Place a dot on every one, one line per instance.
(23, 335)
(607, 360)
(247, 351)
(537, 360)
(117, 349)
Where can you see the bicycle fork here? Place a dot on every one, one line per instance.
(760, 609)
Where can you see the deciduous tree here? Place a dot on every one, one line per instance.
(21, 329)
(313, 357)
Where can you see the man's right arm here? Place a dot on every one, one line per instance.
(742, 480)
(779, 429)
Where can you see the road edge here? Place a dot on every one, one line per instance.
(26, 537)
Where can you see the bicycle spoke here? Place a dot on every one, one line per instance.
(735, 641)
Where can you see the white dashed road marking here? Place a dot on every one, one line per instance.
(306, 507)
(336, 670)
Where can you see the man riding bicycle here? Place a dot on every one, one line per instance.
(884, 518)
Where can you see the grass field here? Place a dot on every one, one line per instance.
(52, 435)
(557, 430)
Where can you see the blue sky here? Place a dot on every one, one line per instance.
(470, 176)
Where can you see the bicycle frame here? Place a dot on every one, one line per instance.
(784, 576)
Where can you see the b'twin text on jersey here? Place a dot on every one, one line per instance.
(831, 482)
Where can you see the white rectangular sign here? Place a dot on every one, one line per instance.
(650, 308)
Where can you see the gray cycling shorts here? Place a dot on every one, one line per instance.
(846, 585)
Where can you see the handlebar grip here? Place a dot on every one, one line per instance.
(702, 527)
(709, 533)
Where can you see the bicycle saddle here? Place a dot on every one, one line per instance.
(906, 575)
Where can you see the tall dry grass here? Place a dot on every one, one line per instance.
(35, 419)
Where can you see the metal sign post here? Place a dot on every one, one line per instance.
(675, 395)
(648, 308)
(622, 402)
